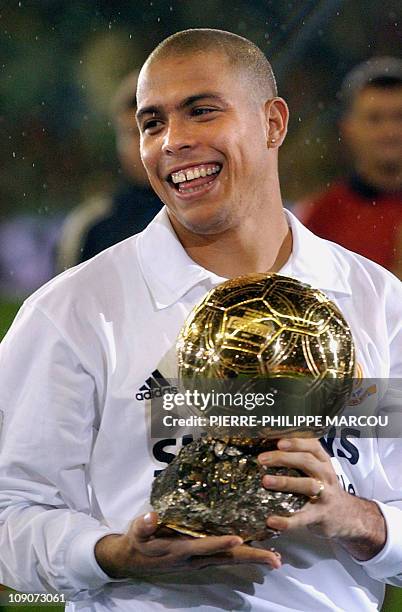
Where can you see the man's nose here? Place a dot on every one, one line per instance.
(178, 138)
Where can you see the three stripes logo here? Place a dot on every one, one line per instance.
(155, 386)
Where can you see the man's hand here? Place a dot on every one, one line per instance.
(141, 551)
(355, 523)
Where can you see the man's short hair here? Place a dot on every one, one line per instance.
(380, 72)
(241, 53)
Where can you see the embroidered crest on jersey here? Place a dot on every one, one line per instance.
(361, 392)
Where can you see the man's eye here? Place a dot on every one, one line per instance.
(150, 125)
(202, 110)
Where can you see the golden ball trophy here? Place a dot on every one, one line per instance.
(261, 329)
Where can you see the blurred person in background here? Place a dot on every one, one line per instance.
(363, 212)
(104, 219)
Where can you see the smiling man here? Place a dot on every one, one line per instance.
(87, 350)
(196, 121)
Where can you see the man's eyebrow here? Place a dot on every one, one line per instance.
(210, 95)
(155, 110)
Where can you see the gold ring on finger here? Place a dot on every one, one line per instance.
(314, 498)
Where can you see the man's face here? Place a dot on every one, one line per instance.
(202, 124)
(373, 130)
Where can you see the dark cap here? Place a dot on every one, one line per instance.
(377, 71)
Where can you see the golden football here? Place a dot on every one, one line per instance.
(268, 327)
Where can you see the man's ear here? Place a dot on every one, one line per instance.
(276, 118)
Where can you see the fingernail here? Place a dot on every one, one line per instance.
(284, 444)
(269, 480)
(275, 552)
(148, 518)
(273, 563)
(274, 522)
(265, 458)
(236, 542)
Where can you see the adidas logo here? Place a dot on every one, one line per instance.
(155, 386)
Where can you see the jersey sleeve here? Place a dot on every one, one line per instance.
(386, 566)
(47, 415)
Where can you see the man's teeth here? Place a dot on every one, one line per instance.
(194, 173)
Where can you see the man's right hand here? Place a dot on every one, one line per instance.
(142, 551)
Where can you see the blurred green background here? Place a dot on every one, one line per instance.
(61, 62)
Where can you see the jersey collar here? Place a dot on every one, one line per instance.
(169, 272)
(316, 261)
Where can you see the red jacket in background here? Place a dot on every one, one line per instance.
(359, 218)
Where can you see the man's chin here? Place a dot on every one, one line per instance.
(200, 224)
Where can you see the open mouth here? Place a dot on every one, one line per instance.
(194, 178)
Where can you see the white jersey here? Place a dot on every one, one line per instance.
(76, 454)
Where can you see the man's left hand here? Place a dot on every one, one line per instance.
(355, 523)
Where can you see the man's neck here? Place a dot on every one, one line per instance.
(255, 247)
